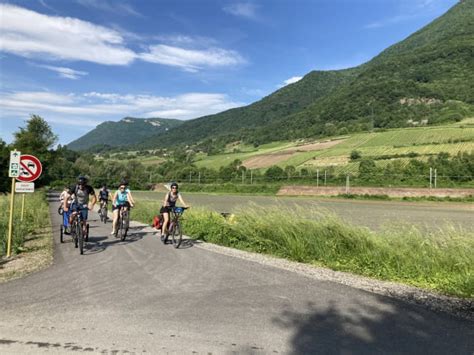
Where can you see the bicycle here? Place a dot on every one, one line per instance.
(103, 211)
(174, 228)
(123, 222)
(77, 229)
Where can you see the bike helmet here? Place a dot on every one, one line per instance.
(173, 184)
(82, 180)
(123, 181)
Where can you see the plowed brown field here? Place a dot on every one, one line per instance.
(267, 160)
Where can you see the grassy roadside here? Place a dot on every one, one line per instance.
(32, 245)
(442, 261)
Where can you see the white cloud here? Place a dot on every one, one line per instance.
(31, 34)
(28, 33)
(63, 72)
(104, 5)
(243, 9)
(191, 59)
(94, 107)
(289, 81)
(292, 80)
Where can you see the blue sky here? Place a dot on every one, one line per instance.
(78, 63)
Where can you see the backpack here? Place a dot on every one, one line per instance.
(157, 222)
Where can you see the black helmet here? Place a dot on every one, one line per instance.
(173, 184)
(104, 186)
(123, 181)
(82, 180)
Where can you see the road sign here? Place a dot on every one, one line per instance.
(14, 170)
(22, 187)
(30, 168)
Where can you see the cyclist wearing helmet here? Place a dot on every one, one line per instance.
(122, 198)
(169, 203)
(81, 192)
(103, 196)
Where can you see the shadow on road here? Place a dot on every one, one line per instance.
(382, 329)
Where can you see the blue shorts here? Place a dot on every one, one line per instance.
(81, 208)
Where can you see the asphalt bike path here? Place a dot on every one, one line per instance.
(140, 296)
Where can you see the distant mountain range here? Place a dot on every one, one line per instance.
(126, 132)
(427, 78)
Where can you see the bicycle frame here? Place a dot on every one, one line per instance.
(174, 227)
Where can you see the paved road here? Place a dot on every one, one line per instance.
(140, 296)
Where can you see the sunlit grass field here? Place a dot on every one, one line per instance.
(36, 217)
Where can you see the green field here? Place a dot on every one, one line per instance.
(424, 141)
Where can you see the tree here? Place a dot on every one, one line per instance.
(4, 159)
(37, 138)
(355, 154)
(274, 173)
(290, 171)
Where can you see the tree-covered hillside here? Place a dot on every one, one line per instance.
(128, 131)
(427, 78)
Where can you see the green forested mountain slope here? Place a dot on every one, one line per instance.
(428, 76)
(127, 131)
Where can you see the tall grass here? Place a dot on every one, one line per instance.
(442, 260)
(36, 216)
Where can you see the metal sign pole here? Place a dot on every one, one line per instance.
(22, 206)
(10, 224)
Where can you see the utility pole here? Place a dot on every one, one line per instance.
(435, 177)
(317, 177)
(431, 177)
(324, 177)
(347, 183)
(251, 177)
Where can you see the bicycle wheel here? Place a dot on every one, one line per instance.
(87, 232)
(77, 230)
(80, 238)
(176, 235)
(117, 227)
(123, 226)
(61, 234)
(104, 214)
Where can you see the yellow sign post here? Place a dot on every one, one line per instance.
(10, 225)
(13, 172)
(22, 206)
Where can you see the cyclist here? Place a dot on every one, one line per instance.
(103, 196)
(169, 203)
(122, 199)
(63, 194)
(82, 192)
(66, 200)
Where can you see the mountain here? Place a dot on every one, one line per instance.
(128, 131)
(428, 78)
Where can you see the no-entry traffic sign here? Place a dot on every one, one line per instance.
(30, 168)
